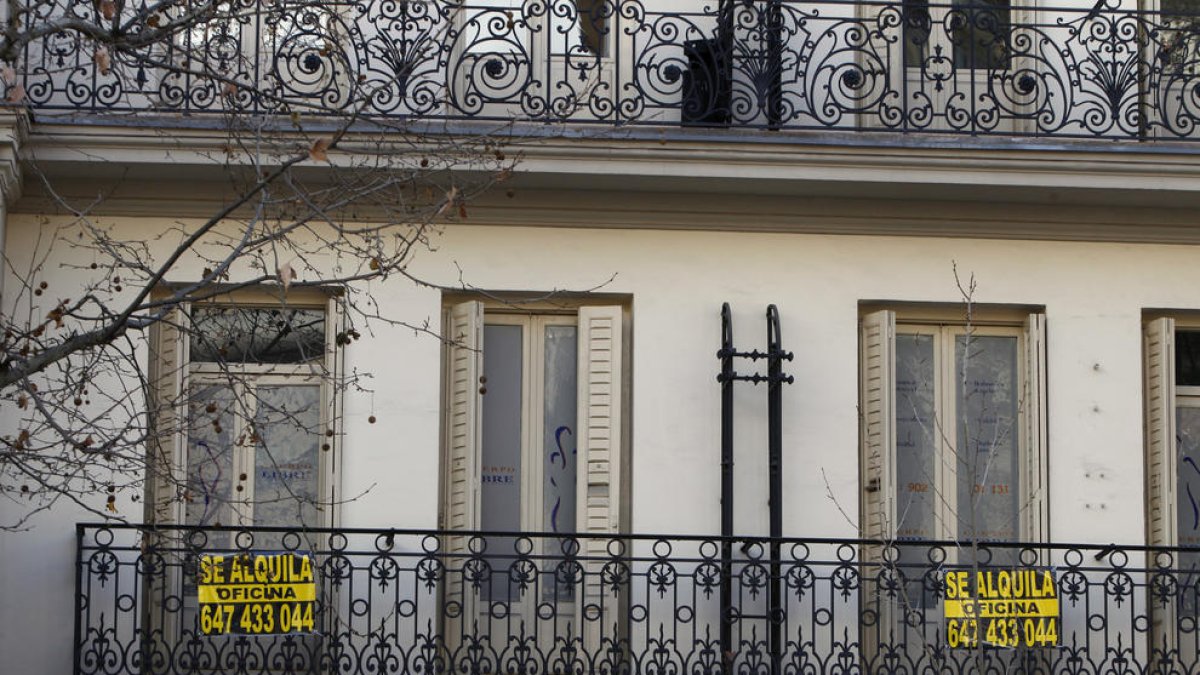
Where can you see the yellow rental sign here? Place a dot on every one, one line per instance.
(1001, 608)
(256, 594)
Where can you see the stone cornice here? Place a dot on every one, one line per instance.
(1064, 191)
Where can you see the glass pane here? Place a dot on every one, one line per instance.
(559, 443)
(578, 27)
(1187, 429)
(559, 430)
(916, 438)
(210, 457)
(287, 462)
(1179, 37)
(917, 28)
(1187, 358)
(257, 335)
(916, 456)
(986, 404)
(500, 492)
(979, 31)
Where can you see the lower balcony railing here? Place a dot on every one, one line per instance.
(174, 600)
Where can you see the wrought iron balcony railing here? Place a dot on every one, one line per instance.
(384, 601)
(974, 67)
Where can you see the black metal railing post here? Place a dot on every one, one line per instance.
(726, 379)
(775, 381)
(78, 604)
(775, 64)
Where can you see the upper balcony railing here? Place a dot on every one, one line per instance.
(1104, 70)
(176, 600)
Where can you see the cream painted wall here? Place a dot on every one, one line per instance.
(1094, 295)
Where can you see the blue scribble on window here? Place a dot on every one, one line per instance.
(207, 488)
(1191, 498)
(558, 459)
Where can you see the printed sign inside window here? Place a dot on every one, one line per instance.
(1001, 608)
(256, 594)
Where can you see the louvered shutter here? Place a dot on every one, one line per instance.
(1159, 401)
(600, 419)
(1034, 484)
(599, 448)
(167, 370)
(464, 331)
(878, 516)
(1159, 348)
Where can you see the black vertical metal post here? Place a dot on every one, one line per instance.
(775, 382)
(726, 355)
(79, 595)
(775, 64)
(775, 379)
(724, 80)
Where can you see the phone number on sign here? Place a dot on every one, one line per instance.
(1039, 632)
(256, 618)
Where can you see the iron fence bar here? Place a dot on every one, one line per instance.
(775, 358)
(727, 505)
(77, 646)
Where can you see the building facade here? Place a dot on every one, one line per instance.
(973, 223)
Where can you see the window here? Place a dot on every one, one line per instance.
(1179, 37)
(953, 448)
(953, 427)
(243, 403)
(243, 395)
(575, 28)
(1171, 352)
(534, 411)
(974, 34)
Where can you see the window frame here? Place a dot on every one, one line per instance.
(878, 485)
(171, 368)
(947, 520)
(603, 478)
(171, 373)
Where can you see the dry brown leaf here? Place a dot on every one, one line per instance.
(153, 21)
(101, 59)
(451, 196)
(286, 275)
(16, 94)
(230, 89)
(319, 152)
(108, 9)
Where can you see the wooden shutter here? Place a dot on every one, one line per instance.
(1034, 483)
(465, 333)
(878, 517)
(600, 420)
(1159, 346)
(599, 450)
(167, 370)
(1159, 401)
(464, 359)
